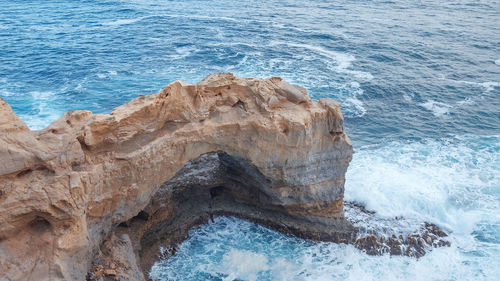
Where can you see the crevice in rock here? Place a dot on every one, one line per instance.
(216, 191)
(142, 215)
(45, 170)
(123, 224)
(40, 225)
(24, 173)
(83, 145)
(77, 166)
(241, 105)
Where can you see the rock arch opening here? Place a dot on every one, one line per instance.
(214, 184)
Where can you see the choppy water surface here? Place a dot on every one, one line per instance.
(420, 87)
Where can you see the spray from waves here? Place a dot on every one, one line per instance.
(244, 264)
(452, 183)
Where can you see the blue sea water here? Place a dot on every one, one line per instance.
(419, 83)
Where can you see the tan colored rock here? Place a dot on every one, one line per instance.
(279, 158)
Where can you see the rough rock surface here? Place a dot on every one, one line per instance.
(269, 153)
(94, 196)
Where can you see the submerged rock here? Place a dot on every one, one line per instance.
(396, 236)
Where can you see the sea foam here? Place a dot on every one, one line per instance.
(437, 108)
(450, 182)
(343, 61)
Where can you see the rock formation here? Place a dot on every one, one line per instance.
(94, 196)
(152, 168)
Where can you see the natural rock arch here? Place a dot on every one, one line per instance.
(95, 195)
(86, 174)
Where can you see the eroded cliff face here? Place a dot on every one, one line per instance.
(91, 187)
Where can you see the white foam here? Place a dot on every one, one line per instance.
(79, 86)
(466, 101)
(382, 226)
(439, 182)
(107, 74)
(407, 97)
(343, 61)
(124, 21)
(220, 251)
(488, 86)
(184, 52)
(438, 108)
(359, 109)
(5, 93)
(219, 18)
(134, 20)
(497, 62)
(349, 96)
(337, 262)
(243, 265)
(45, 112)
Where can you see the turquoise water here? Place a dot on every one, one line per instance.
(453, 183)
(419, 83)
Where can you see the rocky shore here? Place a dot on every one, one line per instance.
(94, 196)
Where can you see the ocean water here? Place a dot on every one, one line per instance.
(419, 83)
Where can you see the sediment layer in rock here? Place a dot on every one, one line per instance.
(255, 148)
(95, 195)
